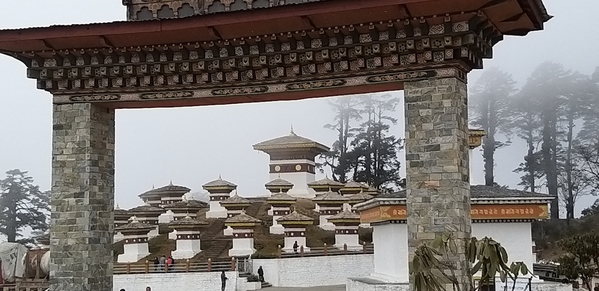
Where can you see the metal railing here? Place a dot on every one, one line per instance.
(180, 267)
(243, 265)
(325, 250)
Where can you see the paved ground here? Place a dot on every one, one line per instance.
(319, 288)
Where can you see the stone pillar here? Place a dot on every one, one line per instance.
(81, 229)
(438, 188)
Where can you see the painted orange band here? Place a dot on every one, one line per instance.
(480, 211)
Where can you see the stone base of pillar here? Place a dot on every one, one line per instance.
(228, 231)
(277, 229)
(133, 253)
(373, 284)
(186, 248)
(216, 214)
(376, 283)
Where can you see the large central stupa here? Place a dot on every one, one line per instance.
(292, 159)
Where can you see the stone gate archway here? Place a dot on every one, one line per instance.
(222, 52)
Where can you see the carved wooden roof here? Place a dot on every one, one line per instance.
(278, 182)
(243, 218)
(330, 197)
(147, 209)
(281, 197)
(235, 200)
(219, 183)
(295, 217)
(290, 52)
(345, 215)
(167, 190)
(290, 141)
(326, 182)
(187, 204)
(187, 222)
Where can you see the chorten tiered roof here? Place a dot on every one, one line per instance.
(242, 220)
(219, 184)
(135, 226)
(146, 209)
(187, 223)
(295, 218)
(326, 184)
(330, 198)
(187, 204)
(360, 197)
(278, 185)
(235, 200)
(353, 187)
(345, 216)
(291, 141)
(281, 197)
(168, 190)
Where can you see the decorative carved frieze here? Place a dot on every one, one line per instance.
(403, 76)
(320, 84)
(91, 98)
(166, 95)
(240, 91)
(353, 55)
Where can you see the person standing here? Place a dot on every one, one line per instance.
(156, 263)
(295, 247)
(162, 261)
(170, 263)
(223, 280)
(261, 274)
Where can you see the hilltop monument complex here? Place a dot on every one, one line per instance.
(194, 53)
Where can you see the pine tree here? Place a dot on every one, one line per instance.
(22, 205)
(375, 150)
(547, 88)
(490, 108)
(339, 158)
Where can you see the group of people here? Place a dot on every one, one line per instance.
(160, 263)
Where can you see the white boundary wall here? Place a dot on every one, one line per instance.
(175, 281)
(314, 271)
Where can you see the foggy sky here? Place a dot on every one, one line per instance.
(194, 145)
